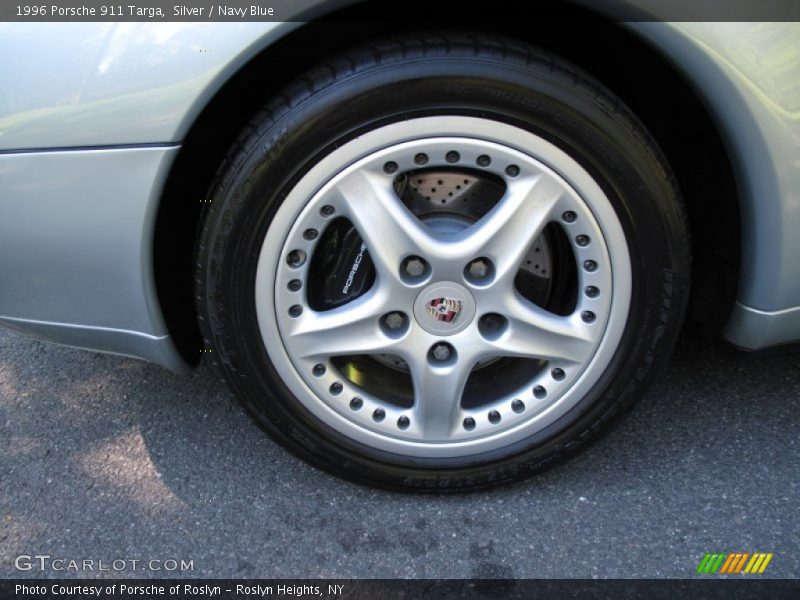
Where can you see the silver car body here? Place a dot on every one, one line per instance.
(93, 118)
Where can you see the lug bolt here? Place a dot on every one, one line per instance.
(294, 285)
(441, 352)
(310, 234)
(327, 210)
(336, 388)
(493, 321)
(356, 403)
(582, 240)
(452, 156)
(296, 258)
(484, 160)
(558, 374)
(591, 291)
(394, 320)
(494, 417)
(378, 415)
(539, 392)
(295, 311)
(469, 423)
(490, 324)
(319, 370)
(479, 268)
(590, 265)
(588, 316)
(518, 406)
(414, 266)
(569, 217)
(403, 422)
(390, 167)
(421, 159)
(512, 170)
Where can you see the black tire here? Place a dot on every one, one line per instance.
(392, 80)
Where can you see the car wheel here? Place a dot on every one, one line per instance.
(442, 262)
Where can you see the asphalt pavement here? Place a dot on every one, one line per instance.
(105, 458)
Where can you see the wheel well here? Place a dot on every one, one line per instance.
(651, 87)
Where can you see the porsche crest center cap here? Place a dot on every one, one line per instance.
(444, 308)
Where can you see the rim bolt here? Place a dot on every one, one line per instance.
(518, 406)
(479, 268)
(582, 240)
(319, 370)
(296, 258)
(494, 417)
(403, 422)
(591, 291)
(452, 156)
(394, 320)
(558, 374)
(310, 234)
(356, 403)
(590, 265)
(295, 311)
(588, 316)
(390, 167)
(378, 415)
(539, 392)
(512, 170)
(569, 216)
(336, 388)
(441, 351)
(295, 285)
(327, 210)
(484, 160)
(469, 423)
(414, 266)
(421, 159)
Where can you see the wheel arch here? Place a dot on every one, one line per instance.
(223, 112)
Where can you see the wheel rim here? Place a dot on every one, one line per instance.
(433, 315)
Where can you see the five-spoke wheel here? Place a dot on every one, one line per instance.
(445, 299)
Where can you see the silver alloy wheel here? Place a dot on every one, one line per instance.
(543, 184)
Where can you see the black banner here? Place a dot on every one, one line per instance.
(380, 10)
(383, 589)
